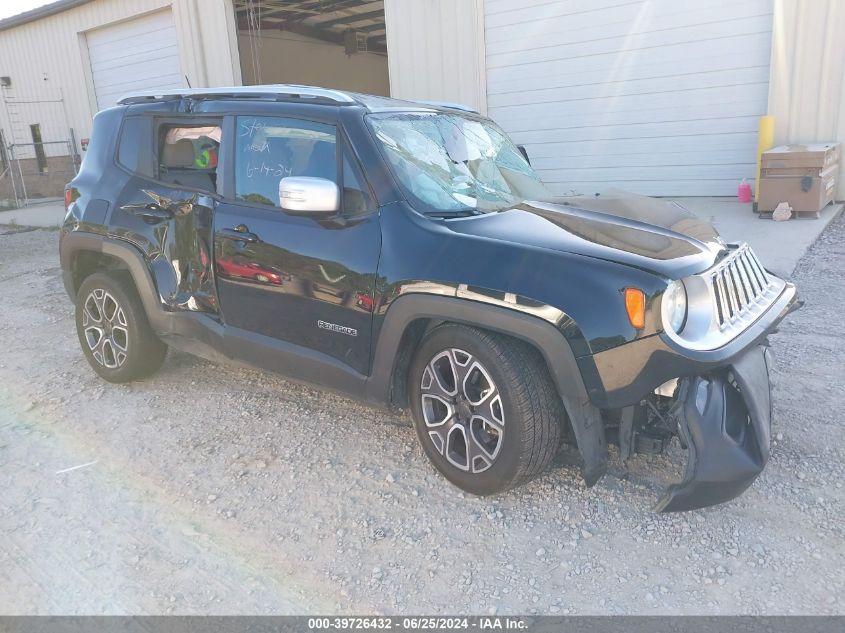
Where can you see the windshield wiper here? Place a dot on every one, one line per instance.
(465, 213)
(452, 214)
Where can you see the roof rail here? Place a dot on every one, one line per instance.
(273, 91)
(450, 105)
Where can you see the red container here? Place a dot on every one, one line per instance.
(744, 191)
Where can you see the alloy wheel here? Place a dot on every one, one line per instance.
(462, 409)
(106, 329)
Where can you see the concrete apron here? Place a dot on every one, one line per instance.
(778, 245)
(43, 215)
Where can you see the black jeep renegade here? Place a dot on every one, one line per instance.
(408, 254)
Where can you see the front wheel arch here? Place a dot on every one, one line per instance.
(484, 408)
(424, 310)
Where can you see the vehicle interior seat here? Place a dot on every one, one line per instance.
(178, 167)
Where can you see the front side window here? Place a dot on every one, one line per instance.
(268, 149)
(451, 163)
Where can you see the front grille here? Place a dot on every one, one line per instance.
(725, 300)
(739, 284)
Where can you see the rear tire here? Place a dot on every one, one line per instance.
(485, 409)
(113, 330)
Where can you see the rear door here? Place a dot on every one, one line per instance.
(302, 281)
(165, 205)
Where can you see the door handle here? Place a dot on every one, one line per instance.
(148, 210)
(239, 234)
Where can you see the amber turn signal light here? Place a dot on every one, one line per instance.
(635, 307)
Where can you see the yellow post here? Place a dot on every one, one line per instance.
(765, 140)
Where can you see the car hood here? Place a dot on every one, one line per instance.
(652, 234)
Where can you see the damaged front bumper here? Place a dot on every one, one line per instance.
(720, 409)
(724, 419)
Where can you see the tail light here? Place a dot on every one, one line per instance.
(71, 194)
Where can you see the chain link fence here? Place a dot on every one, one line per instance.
(38, 150)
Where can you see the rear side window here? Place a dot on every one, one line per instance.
(268, 149)
(133, 148)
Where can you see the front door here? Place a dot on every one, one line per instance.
(303, 280)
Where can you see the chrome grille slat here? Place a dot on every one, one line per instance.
(741, 292)
(734, 286)
(724, 297)
(754, 272)
(740, 300)
(747, 290)
(717, 295)
(732, 308)
(749, 270)
(763, 276)
(756, 286)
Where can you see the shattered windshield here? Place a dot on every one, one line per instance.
(454, 164)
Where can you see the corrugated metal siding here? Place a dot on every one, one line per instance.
(435, 50)
(656, 96)
(55, 45)
(807, 89)
(138, 54)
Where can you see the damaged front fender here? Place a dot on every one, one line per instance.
(724, 419)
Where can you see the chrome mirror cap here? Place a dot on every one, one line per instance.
(308, 195)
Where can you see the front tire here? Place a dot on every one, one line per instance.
(485, 409)
(113, 330)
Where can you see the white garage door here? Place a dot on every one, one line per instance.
(661, 97)
(139, 54)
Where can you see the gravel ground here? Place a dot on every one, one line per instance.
(217, 490)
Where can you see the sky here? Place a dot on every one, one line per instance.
(13, 7)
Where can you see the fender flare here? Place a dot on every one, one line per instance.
(76, 242)
(586, 419)
(193, 332)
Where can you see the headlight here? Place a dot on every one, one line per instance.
(675, 306)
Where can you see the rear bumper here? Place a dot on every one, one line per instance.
(727, 430)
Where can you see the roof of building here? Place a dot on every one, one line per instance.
(356, 24)
(40, 12)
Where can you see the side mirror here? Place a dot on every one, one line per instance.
(308, 195)
(524, 153)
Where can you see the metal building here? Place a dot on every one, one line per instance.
(662, 97)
